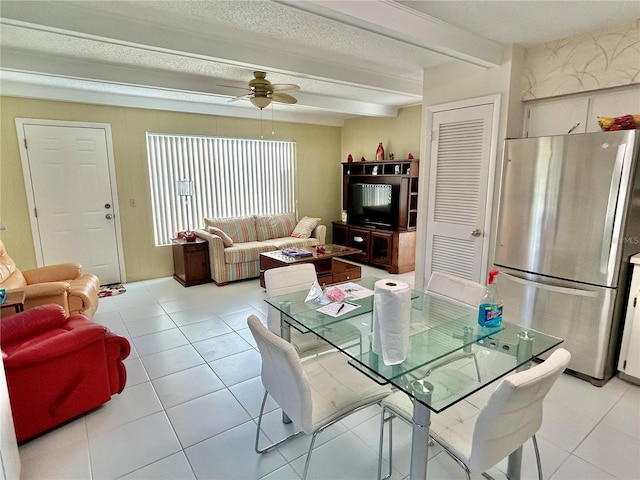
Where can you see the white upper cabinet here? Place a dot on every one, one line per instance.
(560, 115)
(557, 117)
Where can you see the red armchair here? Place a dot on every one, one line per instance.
(57, 367)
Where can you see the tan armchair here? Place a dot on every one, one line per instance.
(63, 284)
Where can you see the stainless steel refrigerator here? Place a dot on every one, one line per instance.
(568, 222)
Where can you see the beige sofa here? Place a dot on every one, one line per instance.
(235, 244)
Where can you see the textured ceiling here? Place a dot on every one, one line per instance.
(349, 58)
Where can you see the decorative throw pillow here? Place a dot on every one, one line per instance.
(305, 227)
(226, 239)
(240, 229)
(275, 226)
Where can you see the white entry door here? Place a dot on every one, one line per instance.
(460, 180)
(71, 192)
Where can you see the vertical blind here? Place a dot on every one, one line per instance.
(232, 177)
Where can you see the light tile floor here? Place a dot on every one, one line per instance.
(193, 394)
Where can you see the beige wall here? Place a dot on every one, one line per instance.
(399, 135)
(318, 151)
(456, 81)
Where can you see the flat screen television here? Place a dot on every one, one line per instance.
(373, 204)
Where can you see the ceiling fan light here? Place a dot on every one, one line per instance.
(260, 102)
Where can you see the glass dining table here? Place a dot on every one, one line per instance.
(444, 334)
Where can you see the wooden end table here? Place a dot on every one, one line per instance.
(14, 300)
(329, 268)
(191, 262)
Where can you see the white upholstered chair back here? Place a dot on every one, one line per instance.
(514, 412)
(282, 374)
(283, 280)
(456, 288)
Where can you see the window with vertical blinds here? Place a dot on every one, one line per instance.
(231, 177)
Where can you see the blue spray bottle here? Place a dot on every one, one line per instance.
(490, 310)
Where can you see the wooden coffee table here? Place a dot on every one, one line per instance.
(328, 267)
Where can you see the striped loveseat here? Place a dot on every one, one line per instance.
(235, 244)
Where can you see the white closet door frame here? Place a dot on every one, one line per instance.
(421, 274)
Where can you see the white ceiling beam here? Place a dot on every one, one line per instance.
(45, 65)
(230, 52)
(350, 107)
(27, 85)
(392, 19)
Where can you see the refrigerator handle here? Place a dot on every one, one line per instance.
(551, 288)
(607, 235)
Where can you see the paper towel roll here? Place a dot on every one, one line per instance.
(391, 319)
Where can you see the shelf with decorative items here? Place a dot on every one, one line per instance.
(384, 167)
(386, 235)
(403, 173)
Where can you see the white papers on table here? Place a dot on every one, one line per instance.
(338, 308)
(355, 291)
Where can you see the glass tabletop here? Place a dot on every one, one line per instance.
(447, 347)
(329, 251)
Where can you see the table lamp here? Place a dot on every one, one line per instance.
(185, 189)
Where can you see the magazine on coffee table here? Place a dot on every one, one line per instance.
(296, 252)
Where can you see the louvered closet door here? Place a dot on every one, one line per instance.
(458, 186)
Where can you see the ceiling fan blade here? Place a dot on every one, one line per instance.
(231, 86)
(283, 98)
(240, 97)
(283, 87)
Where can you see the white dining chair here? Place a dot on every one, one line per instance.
(477, 439)
(314, 393)
(456, 288)
(462, 291)
(293, 278)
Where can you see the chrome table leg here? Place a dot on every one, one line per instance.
(285, 333)
(422, 391)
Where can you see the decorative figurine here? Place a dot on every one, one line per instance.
(410, 156)
(363, 159)
(349, 158)
(380, 152)
(392, 156)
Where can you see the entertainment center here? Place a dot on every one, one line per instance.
(381, 201)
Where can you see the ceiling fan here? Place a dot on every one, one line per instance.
(263, 92)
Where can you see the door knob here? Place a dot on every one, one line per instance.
(108, 216)
(476, 233)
